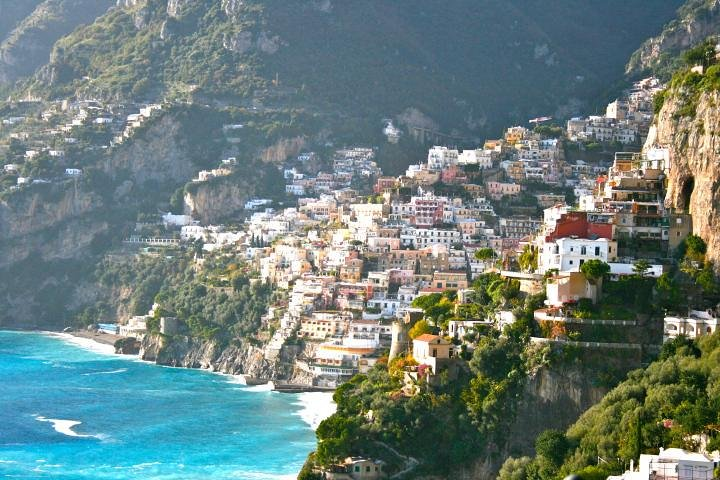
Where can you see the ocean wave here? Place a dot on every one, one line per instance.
(110, 372)
(142, 466)
(259, 388)
(58, 365)
(316, 407)
(66, 427)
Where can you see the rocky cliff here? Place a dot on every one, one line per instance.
(52, 234)
(223, 197)
(59, 220)
(245, 359)
(696, 21)
(553, 397)
(48, 220)
(694, 180)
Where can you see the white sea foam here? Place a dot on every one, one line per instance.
(142, 466)
(267, 387)
(316, 407)
(110, 372)
(86, 343)
(66, 427)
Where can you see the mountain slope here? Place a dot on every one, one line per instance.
(12, 12)
(468, 67)
(27, 46)
(696, 20)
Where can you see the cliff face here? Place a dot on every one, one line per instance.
(224, 197)
(694, 180)
(554, 397)
(158, 154)
(48, 220)
(245, 359)
(60, 220)
(51, 234)
(28, 45)
(695, 24)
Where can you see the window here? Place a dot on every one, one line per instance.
(357, 468)
(583, 250)
(570, 262)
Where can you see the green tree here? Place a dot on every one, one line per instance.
(641, 267)
(421, 327)
(484, 253)
(516, 469)
(668, 293)
(695, 247)
(703, 54)
(337, 436)
(528, 259)
(552, 445)
(594, 270)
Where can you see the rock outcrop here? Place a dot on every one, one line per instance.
(50, 221)
(694, 180)
(225, 197)
(694, 26)
(554, 397)
(243, 359)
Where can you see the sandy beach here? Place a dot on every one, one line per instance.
(104, 338)
(96, 342)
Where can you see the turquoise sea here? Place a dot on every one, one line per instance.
(70, 413)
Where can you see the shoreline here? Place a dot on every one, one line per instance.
(314, 404)
(87, 340)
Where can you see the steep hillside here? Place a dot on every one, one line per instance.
(663, 405)
(457, 67)
(27, 46)
(696, 20)
(12, 12)
(688, 124)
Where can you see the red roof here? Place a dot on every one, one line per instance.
(426, 337)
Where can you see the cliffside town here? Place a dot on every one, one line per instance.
(484, 285)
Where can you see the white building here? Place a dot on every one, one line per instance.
(567, 254)
(170, 219)
(297, 190)
(670, 464)
(441, 157)
(481, 158)
(191, 233)
(423, 237)
(696, 324)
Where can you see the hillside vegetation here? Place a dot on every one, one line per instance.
(447, 65)
(28, 30)
(661, 55)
